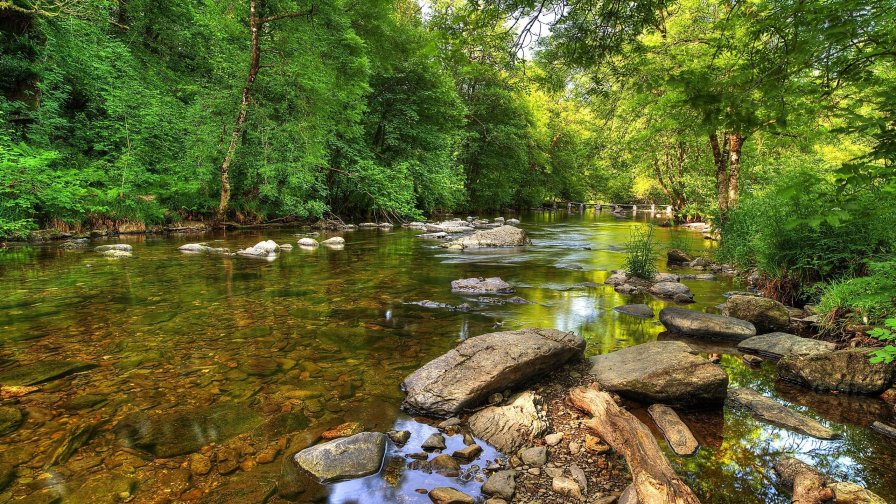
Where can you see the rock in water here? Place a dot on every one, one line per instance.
(850, 371)
(202, 248)
(178, 433)
(767, 315)
(668, 372)
(120, 247)
(464, 377)
(307, 242)
(636, 310)
(777, 345)
(679, 437)
(493, 285)
(694, 323)
(345, 458)
(42, 371)
(265, 249)
(776, 413)
(335, 241)
(10, 419)
(514, 426)
(504, 236)
(676, 256)
(678, 292)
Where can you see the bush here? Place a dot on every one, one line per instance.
(799, 233)
(640, 260)
(868, 299)
(888, 335)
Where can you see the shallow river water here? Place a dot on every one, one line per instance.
(151, 366)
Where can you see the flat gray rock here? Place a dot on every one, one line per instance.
(677, 433)
(636, 310)
(503, 236)
(466, 376)
(492, 285)
(344, 458)
(667, 372)
(775, 413)
(695, 323)
(777, 345)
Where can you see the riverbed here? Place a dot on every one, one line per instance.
(318, 337)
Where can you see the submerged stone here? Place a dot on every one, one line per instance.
(178, 433)
(776, 413)
(42, 371)
(636, 310)
(10, 419)
(493, 285)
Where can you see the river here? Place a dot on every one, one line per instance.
(329, 335)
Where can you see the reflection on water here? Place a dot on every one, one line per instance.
(320, 337)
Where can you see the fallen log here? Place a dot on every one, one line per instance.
(654, 480)
(808, 485)
(677, 434)
(884, 429)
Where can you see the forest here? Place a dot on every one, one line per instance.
(773, 119)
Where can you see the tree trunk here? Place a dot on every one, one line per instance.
(254, 63)
(735, 143)
(718, 156)
(654, 480)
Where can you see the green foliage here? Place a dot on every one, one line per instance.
(797, 229)
(865, 299)
(641, 253)
(886, 334)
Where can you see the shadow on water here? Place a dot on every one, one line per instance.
(176, 343)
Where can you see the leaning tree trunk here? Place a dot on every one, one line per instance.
(654, 480)
(254, 64)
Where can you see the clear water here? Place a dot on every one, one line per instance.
(329, 334)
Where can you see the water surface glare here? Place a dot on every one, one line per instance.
(235, 358)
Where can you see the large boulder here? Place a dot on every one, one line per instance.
(512, 426)
(344, 458)
(493, 285)
(777, 345)
(849, 371)
(776, 413)
(504, 236)
(766, 314)
(464, 377)
(668, 372)
(694, 323)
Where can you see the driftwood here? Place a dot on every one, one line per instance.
(676, 432)
(654, 480)
(884, 429)
(808, 485)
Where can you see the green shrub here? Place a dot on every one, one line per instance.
(867, 299)
(640, 260)
(802, 232)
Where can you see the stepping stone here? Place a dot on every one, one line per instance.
(775, 413)
(695, 323)
(677, 434)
